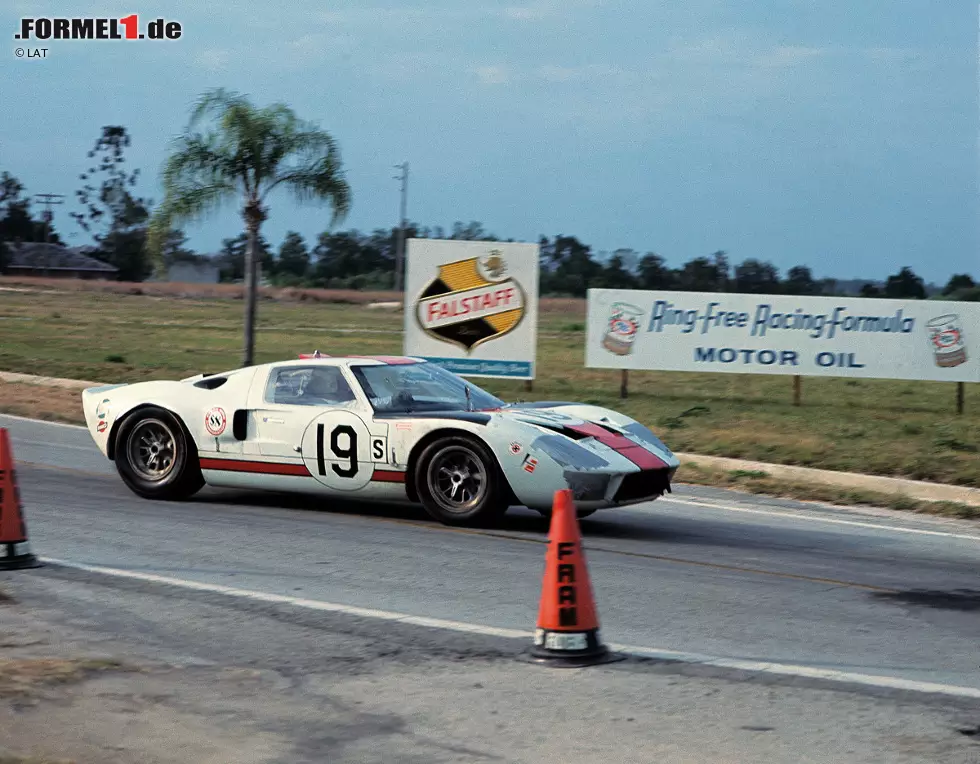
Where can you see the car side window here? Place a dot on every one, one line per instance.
(308, 386)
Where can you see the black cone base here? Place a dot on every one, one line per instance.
(11, 561)
(594, 653)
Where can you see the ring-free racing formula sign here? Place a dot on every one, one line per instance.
(781, 334)
(472, 306)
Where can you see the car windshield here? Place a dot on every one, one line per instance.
(419, 387)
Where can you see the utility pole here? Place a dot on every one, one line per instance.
(400, 247)
(47, 216)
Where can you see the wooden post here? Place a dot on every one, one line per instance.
(796, 389)
(528, 386)
(624, 384)
(959, 396)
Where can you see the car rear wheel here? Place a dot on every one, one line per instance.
(459, 482)
(155, 456)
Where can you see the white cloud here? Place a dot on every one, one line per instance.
(213, 59)
(533, 12)
(376, 16)
(891, 55)
(591, 73)
(492, 75)
(787, 56)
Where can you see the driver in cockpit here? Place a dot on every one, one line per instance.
(327, 386)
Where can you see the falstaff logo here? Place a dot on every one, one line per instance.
(471, 302)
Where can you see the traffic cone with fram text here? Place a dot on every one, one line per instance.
(567, 634)
(15, 550)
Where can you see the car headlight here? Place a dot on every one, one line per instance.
(641, 432)
(569, 454)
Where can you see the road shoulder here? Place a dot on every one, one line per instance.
(192, 678)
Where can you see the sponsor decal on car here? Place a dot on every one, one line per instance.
(516, 448)
(530, 463)
(215, 421)
(471, 301)
(102, 413)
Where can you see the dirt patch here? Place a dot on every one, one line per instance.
(20, 677)
(54, 404)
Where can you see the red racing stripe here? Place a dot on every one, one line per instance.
(621, 445)
(388, 476)
(265, 468)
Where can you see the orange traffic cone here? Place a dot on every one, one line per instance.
(568, 624)
(15, 550)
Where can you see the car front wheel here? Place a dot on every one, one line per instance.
(155, 456)
(459, 482)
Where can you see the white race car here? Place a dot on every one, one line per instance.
(386, 428)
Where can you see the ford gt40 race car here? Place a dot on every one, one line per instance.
(376, 428)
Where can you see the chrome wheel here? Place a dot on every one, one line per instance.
(457, 479)
(152, 450)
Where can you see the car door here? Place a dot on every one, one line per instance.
(283, 405)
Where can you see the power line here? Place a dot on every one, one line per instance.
(47, 216)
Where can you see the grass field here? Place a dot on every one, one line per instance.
(106, 333)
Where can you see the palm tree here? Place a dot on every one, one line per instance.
(245, 153)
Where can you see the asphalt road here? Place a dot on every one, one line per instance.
(704, 571)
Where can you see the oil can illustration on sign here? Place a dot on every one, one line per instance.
(471, 301)
(946, 340)
(624, 323)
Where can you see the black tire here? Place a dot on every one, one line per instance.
(155, 456)
(452, 461)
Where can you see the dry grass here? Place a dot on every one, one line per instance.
(54, 404)
(883, 427)
(572, 308)
(25, 676)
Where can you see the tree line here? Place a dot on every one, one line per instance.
(118, 221)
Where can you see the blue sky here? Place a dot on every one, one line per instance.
(837, 134)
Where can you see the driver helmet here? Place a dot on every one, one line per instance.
(323, 383)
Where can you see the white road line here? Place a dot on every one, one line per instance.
(55, 445)
(301, 602)
(43, 421)
(781, 669)
(817, 519)
(789, 669)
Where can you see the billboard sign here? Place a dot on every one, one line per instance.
(781, 334)
(472, 306)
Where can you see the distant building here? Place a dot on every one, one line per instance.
(192, 273)
(55, 261)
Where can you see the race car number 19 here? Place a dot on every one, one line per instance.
(349, 452)
(338, 449)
